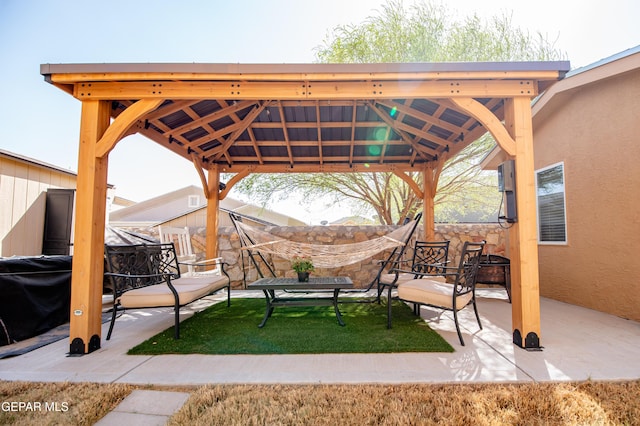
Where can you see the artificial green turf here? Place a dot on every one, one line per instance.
(296, 330)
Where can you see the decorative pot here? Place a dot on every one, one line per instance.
(303, 277)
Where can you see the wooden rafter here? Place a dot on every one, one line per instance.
(319, 131)
(432, 120)
(218, 152)
(353, 132)
(200, 169)
(406, 138)
(283, 124)
(226, 111)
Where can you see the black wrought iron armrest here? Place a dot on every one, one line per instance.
(116, 274)
(431, 265)
(392, 262)
(167, 277)
(418, 274)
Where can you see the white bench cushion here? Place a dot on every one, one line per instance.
(431, 292)
(188, 288)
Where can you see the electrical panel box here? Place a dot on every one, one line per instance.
(507, 185)
(506, 176)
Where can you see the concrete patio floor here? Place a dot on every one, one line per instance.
(578, 344)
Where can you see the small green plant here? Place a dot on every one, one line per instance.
(302, 264)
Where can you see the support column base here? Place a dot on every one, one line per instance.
(531, 342)
(77, 346)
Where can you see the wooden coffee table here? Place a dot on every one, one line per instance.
(295, 293)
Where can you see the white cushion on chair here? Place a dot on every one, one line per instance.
(431, 292)
(405, 276)
(388, 278)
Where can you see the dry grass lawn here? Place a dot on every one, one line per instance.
(585, 403)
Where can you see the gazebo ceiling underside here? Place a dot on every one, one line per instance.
(314, 121)
(285, 134)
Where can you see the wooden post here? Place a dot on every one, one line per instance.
(213, 212)
(525, 290)
(428, 195)
(88, 249)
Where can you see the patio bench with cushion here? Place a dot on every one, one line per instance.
(148, 276)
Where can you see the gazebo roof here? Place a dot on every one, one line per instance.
(308, 117)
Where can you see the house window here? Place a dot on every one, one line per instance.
(194, 201)
(552, 223)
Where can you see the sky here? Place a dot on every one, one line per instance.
(40, 121)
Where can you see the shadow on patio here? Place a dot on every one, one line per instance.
(579, 344)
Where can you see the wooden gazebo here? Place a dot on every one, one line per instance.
(313, 118)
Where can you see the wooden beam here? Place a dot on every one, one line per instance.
(429, 119)
(412, 183)
(254, 144)
(430, 178)
(216, 115)
(489, 121)
(428, 203)
(371, 166)
(230, 184)
(88, 246)
(352, 139)
(213, 213)
(216, 153)
(421, 150)
(314, 143)
(523, 238)
(230, 75)
(285, 132)
(317, 124)
(319, 132)
(285, 90)
(118, 129)
(200, 169)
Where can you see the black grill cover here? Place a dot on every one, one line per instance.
(35, 295)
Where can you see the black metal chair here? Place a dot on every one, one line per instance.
(429, 257)
(453, 297)
(395, 258)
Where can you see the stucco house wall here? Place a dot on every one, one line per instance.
(591, 123)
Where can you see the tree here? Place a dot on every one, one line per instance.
(425, 32)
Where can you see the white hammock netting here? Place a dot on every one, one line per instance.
(324, 255)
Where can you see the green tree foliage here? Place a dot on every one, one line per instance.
(429, 32)
(423, 32)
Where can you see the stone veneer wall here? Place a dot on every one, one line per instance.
(361, 273)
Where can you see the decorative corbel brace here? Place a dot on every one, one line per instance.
(122, 123)
(235, 179)
(412, 184)
(197, 163)
(223, 190)
(489, 121)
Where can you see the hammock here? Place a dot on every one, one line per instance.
(325, 256)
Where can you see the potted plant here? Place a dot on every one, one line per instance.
(303, 266)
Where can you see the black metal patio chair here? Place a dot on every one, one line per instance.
(452, 297)
(429, 257)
